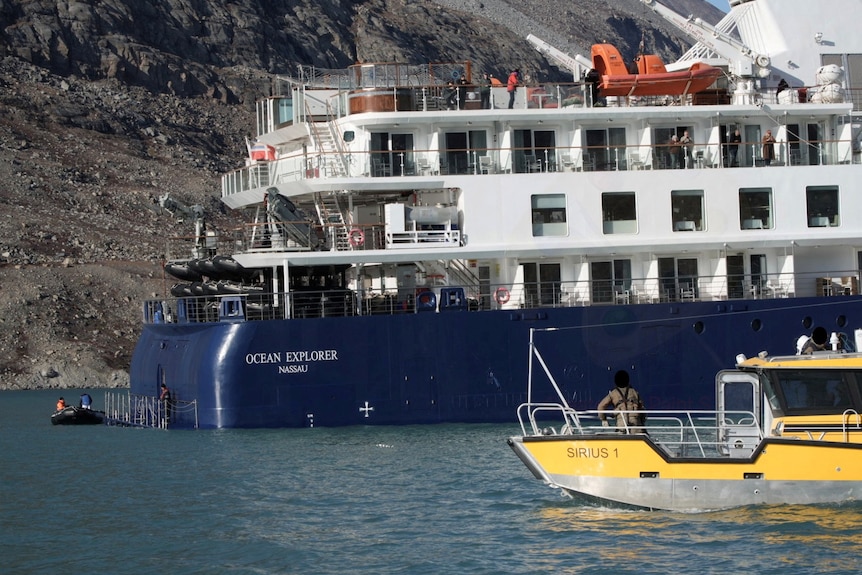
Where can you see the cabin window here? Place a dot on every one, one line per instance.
(549, 214)
(822, 203)
(821, 391)
(758, 274)
(678, 279)
(462, 153)
(755, 208)
(619, 214)
(391, 154)
(542, 284)
(273, 113)
(605, 149)
(735, 276)
(611, 281)
(687, 210)
(804, 143)
(534, 151)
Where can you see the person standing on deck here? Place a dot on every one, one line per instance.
(512, 86)
(623, 399)
(675, 152)
(462, 92)
(687, 150)
(733, 148)
(768, 151)
(485, 91)
(165, 398)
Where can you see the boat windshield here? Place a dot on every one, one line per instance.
(810, 392)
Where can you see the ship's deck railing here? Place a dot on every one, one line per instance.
(679, 434)
(258, 305)
(419, 163)
(425, 87)
(133, 410)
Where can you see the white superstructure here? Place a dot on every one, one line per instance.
(558, 201)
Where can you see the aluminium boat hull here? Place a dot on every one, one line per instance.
(462, 366)
(632, 471)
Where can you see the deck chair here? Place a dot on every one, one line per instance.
(532, 164)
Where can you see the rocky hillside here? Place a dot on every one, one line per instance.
(104, 106)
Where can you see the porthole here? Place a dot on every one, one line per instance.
(756, 325)
(841, 320)
(698, 327)
(807, 322)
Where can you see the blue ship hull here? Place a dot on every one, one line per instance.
(461, 366)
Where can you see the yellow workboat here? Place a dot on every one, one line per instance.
(786, 429)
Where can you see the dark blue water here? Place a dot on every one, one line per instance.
(377, 500)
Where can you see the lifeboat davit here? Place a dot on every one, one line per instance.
(652, 78)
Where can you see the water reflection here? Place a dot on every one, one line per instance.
(759, 539)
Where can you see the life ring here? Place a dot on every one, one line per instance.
(501, 295)
(356, 237)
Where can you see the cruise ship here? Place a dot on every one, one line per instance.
(406, 228)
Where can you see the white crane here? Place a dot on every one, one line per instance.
(576, 65)
(743, 61)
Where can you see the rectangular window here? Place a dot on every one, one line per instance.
(678, 278)
(687, 210)
(619, 214)
(755, 208)
(611, 281)
(534, 151)
(549, 214)
(391, 154)
(541, 284)
(814, 392)
(822, 203)
(462, 152)
(606, 149)
(758, 274)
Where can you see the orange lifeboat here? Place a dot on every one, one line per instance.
(652, 78)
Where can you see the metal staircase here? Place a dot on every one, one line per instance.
(332, 219)
(457, 273)
(332, 160)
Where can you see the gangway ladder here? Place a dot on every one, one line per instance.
(332, 162)
(332, 220)
(332, 158)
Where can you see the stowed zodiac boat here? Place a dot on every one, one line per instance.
(398, 253)
(785, 430)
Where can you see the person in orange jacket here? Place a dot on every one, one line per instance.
(61, 404)
(512, 86)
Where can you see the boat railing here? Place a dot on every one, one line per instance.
(203, 302)
(687, 434)
(417, 163)
(133, 410)
(679, 434)
(426, 86)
